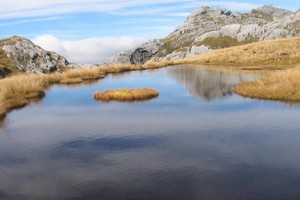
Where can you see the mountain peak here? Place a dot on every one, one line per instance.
(206, 11)
(273, 11)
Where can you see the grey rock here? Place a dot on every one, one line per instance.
(28, 57)
(175, 56)
(198, 50)
(139, 55)
(282, 26)
(276, 13)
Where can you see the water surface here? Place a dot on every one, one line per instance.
(198, 140)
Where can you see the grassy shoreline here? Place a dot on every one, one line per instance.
(277, 86)
(19, 90)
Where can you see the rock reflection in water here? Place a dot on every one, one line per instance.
(208, 84)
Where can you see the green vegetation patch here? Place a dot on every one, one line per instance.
(172, 44)
(224, 42)
(294, 26)
(9, 41)
(262, 15)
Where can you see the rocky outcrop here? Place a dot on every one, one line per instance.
(212, 28)
(139, 55)
(20, 54)
(197, 50)
(285, 25)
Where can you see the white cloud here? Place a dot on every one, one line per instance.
(88, 51)
(24, 21)
(34, 8)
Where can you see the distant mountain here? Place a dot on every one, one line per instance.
(18, 54)
(208, 29)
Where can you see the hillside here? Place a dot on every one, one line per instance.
(208, 29)
(279, 53)
(18, 54)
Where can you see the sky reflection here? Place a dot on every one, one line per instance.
(178, 146)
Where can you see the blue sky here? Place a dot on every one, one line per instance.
(101, 27)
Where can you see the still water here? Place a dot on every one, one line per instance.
(197, 140)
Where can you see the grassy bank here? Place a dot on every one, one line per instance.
(126, 95)
(280, 52)
(272, 53)
(17, 91)
(281, 85)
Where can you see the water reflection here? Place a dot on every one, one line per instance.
(176, 147)
(208, 84)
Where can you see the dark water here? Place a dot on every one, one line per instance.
(196, 141)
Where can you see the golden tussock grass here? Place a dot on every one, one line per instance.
(126, 95)
(71, 81)
(269, 54)
(280, 85)
(118, 68)
(17, 91)
(153, 65)
(280, 52)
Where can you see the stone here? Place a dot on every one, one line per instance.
(139, 55)
(27, 57)
(198, 50)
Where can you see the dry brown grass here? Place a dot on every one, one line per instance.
(280, 52)
(17, 91)
(67, 81)
(280, 85)
(126, 95)
(153, 65)
(265, 54)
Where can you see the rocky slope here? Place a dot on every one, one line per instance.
(212, 28)
(20, 54)
(139, 55)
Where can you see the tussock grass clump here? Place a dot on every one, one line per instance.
(84, 73)
(126, 95)
(224, 42)
(154, 65)
(118, 68)
(17, 91)
(280, 85)
(70, 81)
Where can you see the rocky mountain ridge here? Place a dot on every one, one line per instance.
(20, 54)
(209, 28)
